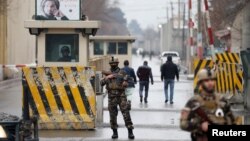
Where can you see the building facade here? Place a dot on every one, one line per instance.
(16, 44)
(172, 37)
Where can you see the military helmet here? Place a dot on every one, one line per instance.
(205, 74)
(113, 60)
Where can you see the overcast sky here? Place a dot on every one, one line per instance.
(149, 12)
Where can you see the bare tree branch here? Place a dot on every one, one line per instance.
(111, 16)
(225, 11)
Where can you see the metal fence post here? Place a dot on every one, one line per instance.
(99, 99)
(246, 75)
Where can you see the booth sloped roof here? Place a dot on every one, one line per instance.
(113, 38)
(61, 24)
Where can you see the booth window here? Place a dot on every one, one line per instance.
(62, 48)
(98, 48)
(122, 48)
(111, 48)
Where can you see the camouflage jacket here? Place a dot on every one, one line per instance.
(114, 86)
(200, 108)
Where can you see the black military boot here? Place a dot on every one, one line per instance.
(115, 134)
(130, 134)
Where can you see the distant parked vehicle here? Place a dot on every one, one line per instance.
(175, 57)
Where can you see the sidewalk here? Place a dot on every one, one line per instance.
(9, 83)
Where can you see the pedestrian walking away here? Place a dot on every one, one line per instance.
(131, 82)
(116, 83)
(144, 73)
(205, 108)
(169, 71)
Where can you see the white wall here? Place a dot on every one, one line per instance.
(1, 72)
(172, 38)
(236, 33)
(20, 44)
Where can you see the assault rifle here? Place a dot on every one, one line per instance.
(118, 77)
(201, 113)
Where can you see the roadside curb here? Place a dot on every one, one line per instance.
(9, 83)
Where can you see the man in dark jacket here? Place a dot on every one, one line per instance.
(131, 82)
(168, 72)
(144, 72)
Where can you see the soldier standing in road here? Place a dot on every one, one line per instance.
(205, 108)
(144, 73)
(116, 82)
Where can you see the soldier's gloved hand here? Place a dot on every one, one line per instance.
(204, 126)
(110, 76)
(152, 82)
(125, 84)
(185, 113)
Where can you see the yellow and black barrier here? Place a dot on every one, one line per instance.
(228, 69)
(229, 73)
(226, 57)
(61, 97)
(229, 78)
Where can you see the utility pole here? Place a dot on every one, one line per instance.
(172, 9)
(190, 52)
(179, 14)
(184, 48)
(199, 36)
(167, 14)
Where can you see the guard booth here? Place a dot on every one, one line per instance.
(118, 46)
(59, 89)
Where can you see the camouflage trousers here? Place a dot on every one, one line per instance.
(113, 102)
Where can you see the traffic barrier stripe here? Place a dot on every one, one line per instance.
(228, 57)
(61, 97)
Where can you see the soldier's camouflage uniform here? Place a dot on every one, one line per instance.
(116, 96)
(205, 107)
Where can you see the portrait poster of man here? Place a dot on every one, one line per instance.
(58, 9)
